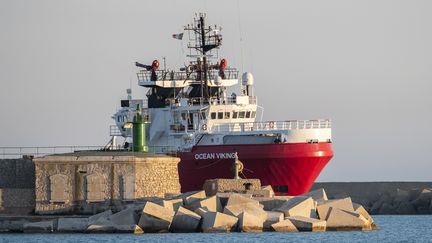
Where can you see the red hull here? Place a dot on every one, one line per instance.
(289, 168)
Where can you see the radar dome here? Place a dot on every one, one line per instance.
(247, 79)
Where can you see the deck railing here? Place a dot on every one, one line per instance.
(271, 125)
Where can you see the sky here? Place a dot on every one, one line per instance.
(367, 65)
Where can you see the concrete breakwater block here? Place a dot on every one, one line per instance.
(299, 206)
(272, 218)
(308, 224)
(248, 222)
(284, 226)
(155, 218)
(124, 217)
(114, 229)
(236, 199)
(39, 227)
(190, 198)
(100, 217)
(341, 220)
(236, 209)
(72, 224)
(185, 221)
(215, 222)
(324, 206)
(212, 204)
(271, 203)
(317, 195)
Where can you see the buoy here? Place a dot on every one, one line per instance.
(155, 64)
(204, 127)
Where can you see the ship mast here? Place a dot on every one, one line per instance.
(203, 40)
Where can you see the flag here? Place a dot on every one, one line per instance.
(178, 36)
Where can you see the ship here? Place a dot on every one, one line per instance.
(192, 113)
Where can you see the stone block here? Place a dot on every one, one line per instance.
(176, 203)
(201, 211)
(166, 204)
(324, 206)
(111, 228)
(298, 206)
(72, 224)
(39, 227)
(210, 204)
(214, 222)
(155, 218)
(270, 189)
(235, 199)
(97, 218)
(341, 220)
(271, 203)
(284, 226)
(224, 196)
(236, 209)
(258, 193)
(192, 197)
(317, 195)
(272, 218)
(308, 224)
(248, 222)
(214, 186)
(362, 211)
(124, 217)
(185, 221)
(387, 208)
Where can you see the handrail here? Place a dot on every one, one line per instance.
(9, 152)
(165, 75)
(271, 125)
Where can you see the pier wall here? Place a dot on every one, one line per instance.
(17, 186)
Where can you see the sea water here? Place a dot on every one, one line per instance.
(393, 228)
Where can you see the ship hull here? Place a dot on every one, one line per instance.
(290, 168)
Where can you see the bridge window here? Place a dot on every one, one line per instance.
(253, 114)
(242, 114)
(227, 115)
(213, 115)
(203, 115)
(235, 114)
(248, 113)
(220, 115)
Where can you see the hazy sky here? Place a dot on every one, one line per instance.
(367, 65)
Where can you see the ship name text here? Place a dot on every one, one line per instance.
(214, 156)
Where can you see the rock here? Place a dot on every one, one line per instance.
(387, 208)
(340, 220)
(405, 208)
(270, 189)
(423, 200)
(308, 224)
(324, 206)
(272, 218)
(210, 204)
(185, 221)
(194, 197)
(214, 222)
(155, 218)
(362, 211)
(171, 195)
(99, 217)
(259, 193)
(236, 209)
(402, 195)
(249, 223)
(39, 227)
(317, 195)
(284, 226)
(124, 217)
(376, 206)
(235, 199)
(298, 206)
(94, 228)
(72, 224)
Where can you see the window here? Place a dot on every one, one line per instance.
(220, 115)
(227, 115)
(253, 114)
(235, 114)
(213, 115)
(248, 113)
(203, 115)
(242, 114)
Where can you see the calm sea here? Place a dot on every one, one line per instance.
(393, 229)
